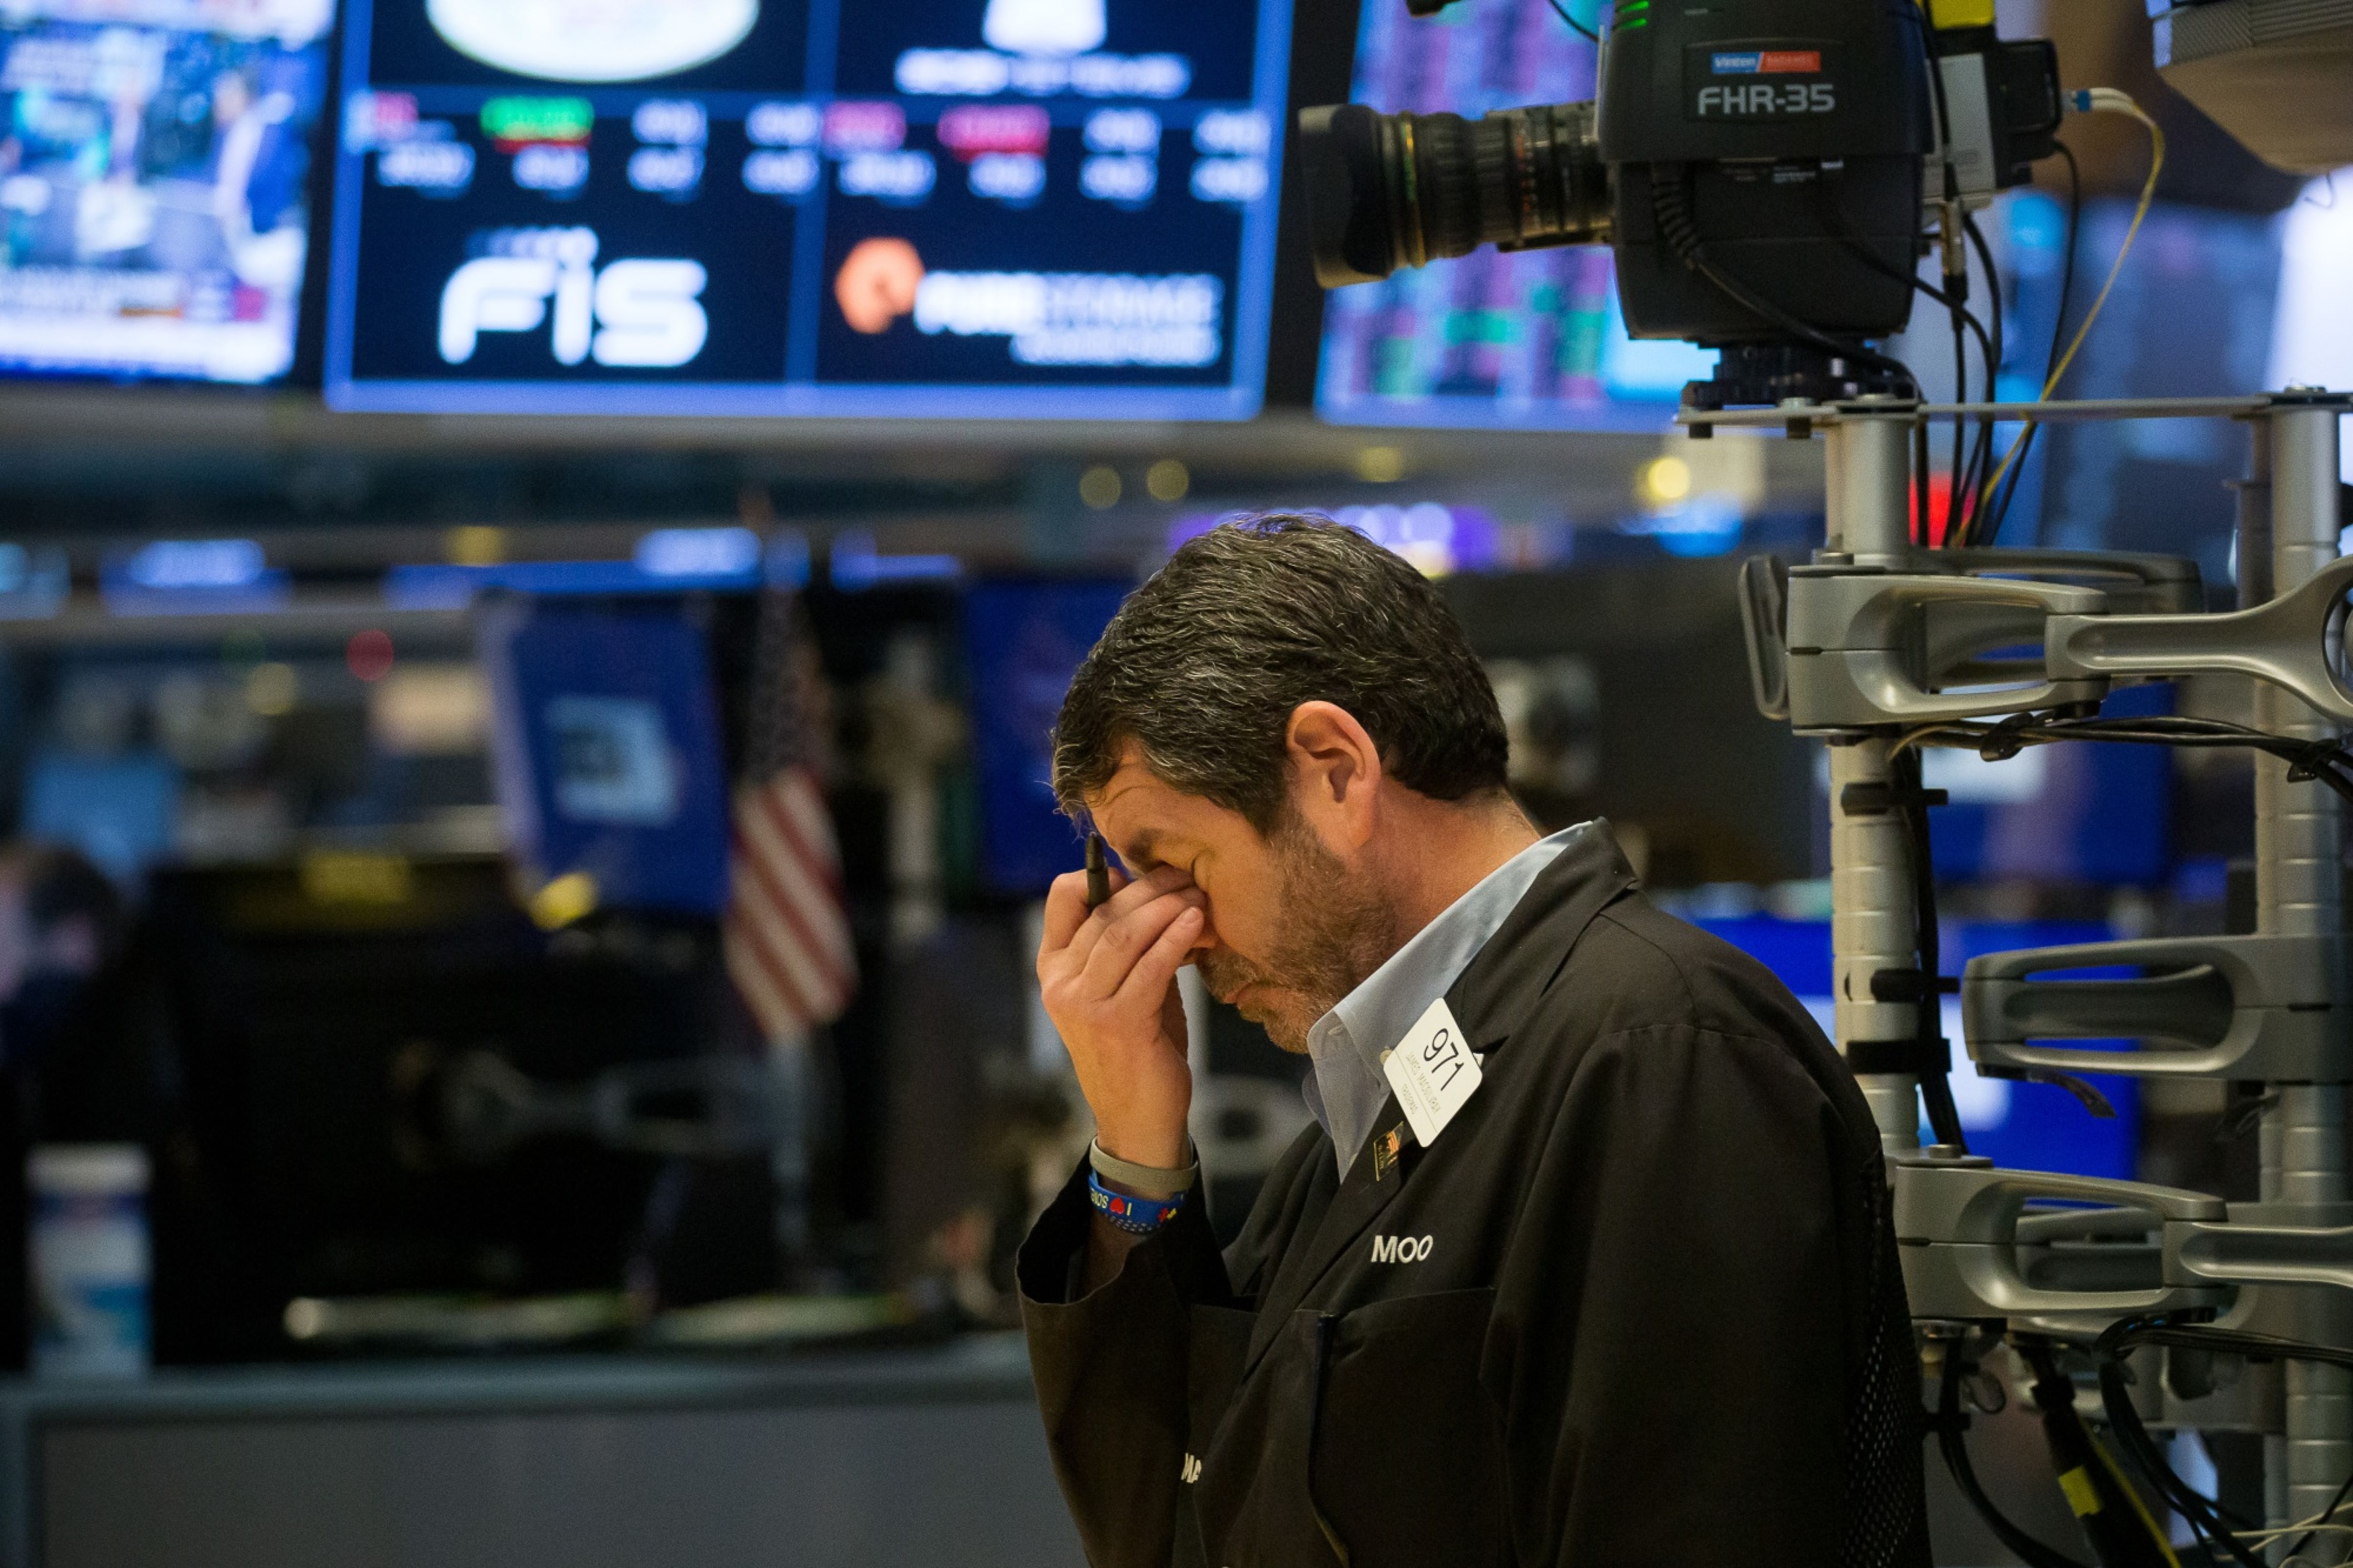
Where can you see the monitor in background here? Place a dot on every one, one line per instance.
(2312, 330)
(155, 173)
(1530, 339)
(608, 762)
(2022, 1126)
(983, 209)
(2095, 813)
(2192, 315)
(1626, 696)
(121, 811)
(320, 1053)
(1025, 640)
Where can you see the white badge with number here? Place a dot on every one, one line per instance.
(1433, 1071)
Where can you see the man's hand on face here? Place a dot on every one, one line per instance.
(1109, 980)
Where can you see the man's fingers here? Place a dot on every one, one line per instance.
(1078, 946)
(1155, 970)
(1122, 941)
(1065, 908)
(1066, 901)
(1083, 930)
(1134, 893)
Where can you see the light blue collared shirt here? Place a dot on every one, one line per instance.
(1347, 1087)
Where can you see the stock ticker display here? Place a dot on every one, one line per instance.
(1530, 339)
(154, 162)
(932, 208)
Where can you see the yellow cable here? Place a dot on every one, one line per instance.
(2120, 103)
(2114, 101)
(2140, 1508)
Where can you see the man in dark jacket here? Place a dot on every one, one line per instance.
(1586, 1260)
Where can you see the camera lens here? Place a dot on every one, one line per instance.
(1386, 191)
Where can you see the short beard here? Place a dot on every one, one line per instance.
(1335, 930)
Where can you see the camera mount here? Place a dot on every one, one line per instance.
(1877, 644)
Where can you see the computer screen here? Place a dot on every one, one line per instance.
(2097, 814)
(1025, 640)
(155, 177)
(2312, 329)
(1533, 338)
(991, 208)
(2193, 314)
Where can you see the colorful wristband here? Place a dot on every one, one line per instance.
(1150, 1180)
(1137, 1215)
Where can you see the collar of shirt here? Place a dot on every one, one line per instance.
(1346, 1089)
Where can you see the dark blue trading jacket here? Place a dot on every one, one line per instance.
(1638, 1303)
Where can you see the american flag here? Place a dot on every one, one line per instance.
(786, 934)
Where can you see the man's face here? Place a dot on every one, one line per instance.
(1292, 928)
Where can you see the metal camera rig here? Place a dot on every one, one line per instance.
(1878, 646)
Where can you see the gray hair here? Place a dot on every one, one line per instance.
(1202, 666)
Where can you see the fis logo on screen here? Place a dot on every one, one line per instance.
(640, 314)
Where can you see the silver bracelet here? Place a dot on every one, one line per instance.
(1154, 1181)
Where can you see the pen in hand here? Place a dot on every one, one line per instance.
(1098, 871)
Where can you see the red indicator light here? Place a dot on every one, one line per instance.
(369, 654)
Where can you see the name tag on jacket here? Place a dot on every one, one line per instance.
(1433, 1071)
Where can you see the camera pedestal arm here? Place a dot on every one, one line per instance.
(2274, 643)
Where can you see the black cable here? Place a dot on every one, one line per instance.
(1827, 209)
(1944, 116)
(2058, 333)
(2113, 1518)
(1927, 1011)
(1989, 347)
(2067, 260)
(1922, 284)
(1955, 296)
(1739, 294)
(1993, 290)
(2196, 1510)
(2201, 1512)
(1671, 205)
(1952, 1442)
(1920, 483)
(1981, 455)
(2205, 1518)
(1581, 29)
(2326, 762)
(1957, 508)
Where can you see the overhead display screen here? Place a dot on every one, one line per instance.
(997, 208)
(1529, 339)
(153, 173)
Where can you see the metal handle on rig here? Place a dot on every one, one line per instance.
(1870, 648)
(2126, 583)
(2242, 1254)
(2265, 1007)
(2296, 642)
(2136, 582)
(1973, 1249)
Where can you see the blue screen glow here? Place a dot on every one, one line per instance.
(2022, 1126)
